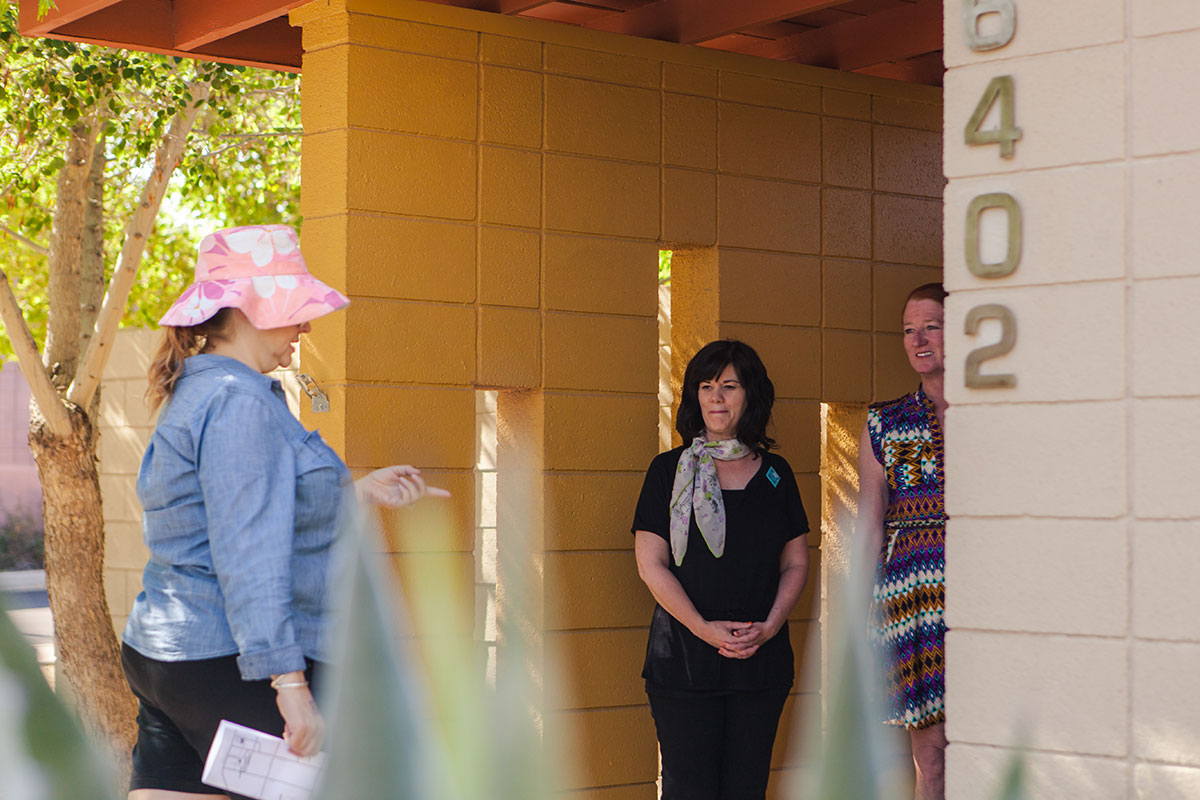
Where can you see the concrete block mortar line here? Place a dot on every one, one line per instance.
(542, 214)
(1095, 401)
(1100, 757)
(1010, 174)
(1162, 640)
(1193, 518)
(479, 264)
(875, 343)
(1041, 750)
(1000, 62)
(1083, 281)
(1049, 635)
(426, 54)
(662, 157)
(1130, 413)
(360, 128)
(1166, 156)
(1031, 517)
(620, 315)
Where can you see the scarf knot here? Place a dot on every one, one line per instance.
(698, 490)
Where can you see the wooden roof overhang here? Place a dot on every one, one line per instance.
(899, 39)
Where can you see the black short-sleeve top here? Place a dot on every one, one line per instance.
(739, 586)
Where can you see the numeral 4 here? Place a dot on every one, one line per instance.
(998, 91)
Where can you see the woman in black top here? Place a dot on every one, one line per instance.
(720, 543)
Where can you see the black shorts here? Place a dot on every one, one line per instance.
(180, 705)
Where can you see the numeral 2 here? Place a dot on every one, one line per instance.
(1008, 337)
(999, 90)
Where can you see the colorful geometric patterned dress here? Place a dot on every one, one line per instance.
(908, 618)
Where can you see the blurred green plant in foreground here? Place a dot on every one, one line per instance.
(398, 731)
(850, 756)
(405, 727)
(44, 754)
(847, 756)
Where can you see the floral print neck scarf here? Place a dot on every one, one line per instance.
(697, 489)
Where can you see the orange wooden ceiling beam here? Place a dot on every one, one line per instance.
(927, 69)
(693, 21)
(274, 44)
(148, 25)
(63, 13)
(496, 6)
(201, 22)
(133, 24)
(893, 35)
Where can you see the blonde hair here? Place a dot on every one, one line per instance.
(177, 344)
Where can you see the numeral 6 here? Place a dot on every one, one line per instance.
(1008, 337)
(974, 9)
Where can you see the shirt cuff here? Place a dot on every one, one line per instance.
(265, 663)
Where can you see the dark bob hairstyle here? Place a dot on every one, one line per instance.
(707, 365)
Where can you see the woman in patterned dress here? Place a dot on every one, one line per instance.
(902, 526)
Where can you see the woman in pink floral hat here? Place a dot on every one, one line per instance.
(241, 505)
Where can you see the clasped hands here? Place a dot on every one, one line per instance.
(395, 487)
(737, 639)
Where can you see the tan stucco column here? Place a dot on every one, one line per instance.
(1071, 495)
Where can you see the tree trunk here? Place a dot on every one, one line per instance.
(91, 257)
(166, 159)
(66, 247)
(83, 630)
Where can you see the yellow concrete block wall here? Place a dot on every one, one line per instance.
(496, 217)
(125, 427)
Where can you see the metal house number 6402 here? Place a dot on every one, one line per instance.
(999, 92)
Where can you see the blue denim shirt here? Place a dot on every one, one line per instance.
(241, 507)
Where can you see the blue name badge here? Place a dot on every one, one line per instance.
(772, 476)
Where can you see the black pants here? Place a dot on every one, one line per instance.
(180, 705)
(716, 748)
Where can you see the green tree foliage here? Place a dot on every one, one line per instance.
(241, 166)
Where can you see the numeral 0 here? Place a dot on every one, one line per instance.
(1008, 337)
(974, 9)
(1012, 255)
(999, 90)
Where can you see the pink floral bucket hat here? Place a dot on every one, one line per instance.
(258, 269)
